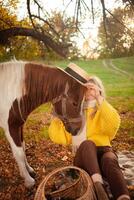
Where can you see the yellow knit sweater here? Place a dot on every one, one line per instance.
(101, 128)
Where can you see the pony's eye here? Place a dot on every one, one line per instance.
(75, 104)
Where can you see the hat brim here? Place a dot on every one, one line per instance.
(71, 76)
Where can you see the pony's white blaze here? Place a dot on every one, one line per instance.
(11, 87)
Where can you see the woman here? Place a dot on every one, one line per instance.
(93, 149)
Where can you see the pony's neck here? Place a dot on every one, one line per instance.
(43, 83)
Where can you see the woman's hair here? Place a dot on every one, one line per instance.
(98, 82)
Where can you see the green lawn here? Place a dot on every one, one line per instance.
(116, 84)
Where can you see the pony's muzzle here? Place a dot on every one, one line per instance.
(73, 131)
(73, 126)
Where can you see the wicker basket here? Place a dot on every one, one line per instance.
(81, 189)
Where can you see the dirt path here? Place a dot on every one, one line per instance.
(109, 64)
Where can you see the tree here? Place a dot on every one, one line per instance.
(51, 38)
(119, 41)
(28, 47)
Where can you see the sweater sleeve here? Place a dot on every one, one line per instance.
(57, 132)
(110, 119)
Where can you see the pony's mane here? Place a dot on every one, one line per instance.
(11, 81)
(47, 78)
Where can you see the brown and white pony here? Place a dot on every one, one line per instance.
(23, 87)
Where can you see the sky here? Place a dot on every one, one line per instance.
(88, 28)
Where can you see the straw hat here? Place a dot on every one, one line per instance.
(76, 73)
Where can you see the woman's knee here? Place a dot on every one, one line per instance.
(109, 159)
(87, 144)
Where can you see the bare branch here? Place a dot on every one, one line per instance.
(29, 12)
(59, 48)
(119, 21)
(68, 4)
(76, 12)
(104, 18)
(81, 33)
(39, 6)
(45, 22)
(92, 7)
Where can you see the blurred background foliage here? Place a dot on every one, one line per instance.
(115, 33)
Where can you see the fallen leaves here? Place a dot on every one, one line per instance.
(43, 156)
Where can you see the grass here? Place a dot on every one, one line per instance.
(1, 133)
(116, 84)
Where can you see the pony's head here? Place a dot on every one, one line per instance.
(68, 105)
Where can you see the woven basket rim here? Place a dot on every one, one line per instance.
(41, 188)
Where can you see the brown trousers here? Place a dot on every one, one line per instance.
(104, 161)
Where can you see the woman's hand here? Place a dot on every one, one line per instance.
(93, 92)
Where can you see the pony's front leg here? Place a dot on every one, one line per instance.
(14, 138)
(29, 168)
(20, 157)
